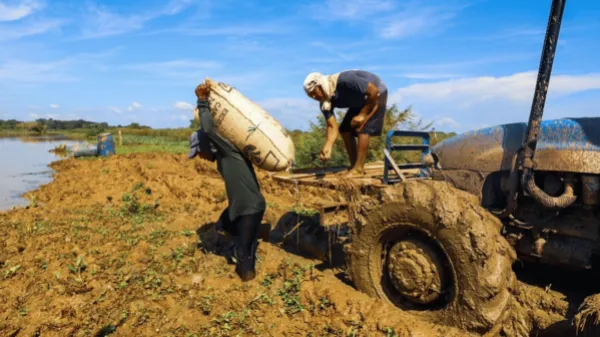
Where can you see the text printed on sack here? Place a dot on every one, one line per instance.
(218, 111)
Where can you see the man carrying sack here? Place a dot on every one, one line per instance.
(242, 217)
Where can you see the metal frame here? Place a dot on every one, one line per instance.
(424, 147)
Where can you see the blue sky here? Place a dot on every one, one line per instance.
(463, 64)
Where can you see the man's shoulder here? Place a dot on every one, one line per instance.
(354, 75)
(347, 75)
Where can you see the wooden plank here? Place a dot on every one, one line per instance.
(318, 179)
(393, 163)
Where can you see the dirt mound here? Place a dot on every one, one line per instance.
(110, 246)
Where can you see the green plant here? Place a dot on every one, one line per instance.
(131, 202)
(78, 267)
(290, 292)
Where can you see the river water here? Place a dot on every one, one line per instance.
(24, 166)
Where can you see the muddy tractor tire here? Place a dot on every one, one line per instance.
(432, 250)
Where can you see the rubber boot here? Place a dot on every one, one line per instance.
(225, 236)
(245, 264)
(246, 245)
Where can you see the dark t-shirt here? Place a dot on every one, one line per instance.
(241, 185)
(351, 90)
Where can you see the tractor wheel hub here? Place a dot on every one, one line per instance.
(415, 271)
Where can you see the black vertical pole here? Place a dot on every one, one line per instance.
(525, 158)
(543, 80)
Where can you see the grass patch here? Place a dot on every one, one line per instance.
(302, 210)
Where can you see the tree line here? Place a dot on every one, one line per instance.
(42, 125)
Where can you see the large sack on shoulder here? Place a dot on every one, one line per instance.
(249, 128)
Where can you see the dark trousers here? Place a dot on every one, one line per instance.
(244, 229)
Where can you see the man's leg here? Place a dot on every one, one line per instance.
(226, 231)
(224, 224)
(350, 143)
(349, 136)
(363, 150)
(373, 127)
(246, 245)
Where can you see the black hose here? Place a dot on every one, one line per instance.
(526, 158)
(563, 201)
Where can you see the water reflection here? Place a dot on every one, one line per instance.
(25, 165)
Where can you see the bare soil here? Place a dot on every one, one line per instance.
(111, 246)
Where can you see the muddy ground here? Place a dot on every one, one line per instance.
(111, 246)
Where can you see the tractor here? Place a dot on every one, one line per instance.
(440, 242)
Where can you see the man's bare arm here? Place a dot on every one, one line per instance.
(369, 108)
(332, 131)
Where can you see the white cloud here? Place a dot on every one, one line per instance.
(34, 115)
(390, 19)
(21, 71)
(351, 9)
(466, 102)
(239, 30)
(414, 20)
(134, 106)
(54, 106)
(182, 117)
(37, 27)
(429, 76)
(179, 69)
(446, 122)
(517, 87)
(53, 116)
(19, 11)
(114, 109)
(100, 21)
(183, 106)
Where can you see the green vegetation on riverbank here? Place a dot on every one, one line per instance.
(143, 139)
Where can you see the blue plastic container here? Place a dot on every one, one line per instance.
(106, 145)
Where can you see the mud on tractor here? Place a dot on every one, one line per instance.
(441, 242)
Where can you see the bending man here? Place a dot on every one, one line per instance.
(365, 96)
(242, 217)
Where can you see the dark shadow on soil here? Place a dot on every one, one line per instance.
(297, 234)
(303, 235)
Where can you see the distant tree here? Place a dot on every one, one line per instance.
(308, 144)
(10, 124)
(137, 126)
(35, 127)
(194, 124)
